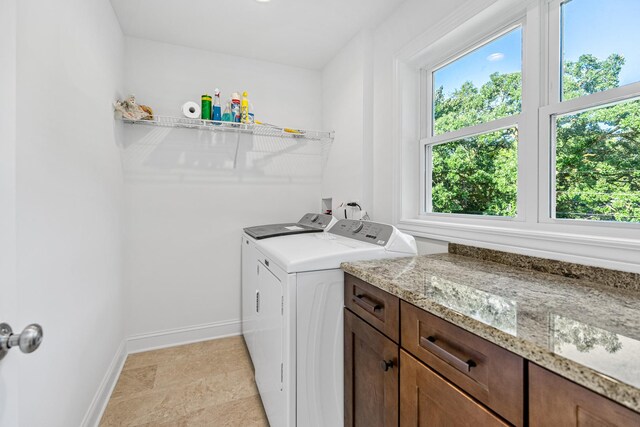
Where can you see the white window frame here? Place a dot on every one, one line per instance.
(533, 231)
(430, 139)
(555, 108)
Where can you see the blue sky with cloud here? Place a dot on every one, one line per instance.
(589, 26)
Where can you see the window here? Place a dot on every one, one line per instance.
(476, 175)
(471, 148)
(483, 85)
(597, 164)
(584, 167)
(595, 126)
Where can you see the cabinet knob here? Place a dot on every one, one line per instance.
(387, 364)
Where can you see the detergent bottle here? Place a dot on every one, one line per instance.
(235, 107)
(244, 109)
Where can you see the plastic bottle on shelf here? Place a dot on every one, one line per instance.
(226, 116)
(217, 112)
(235, 107)
(244, 108)
(206, 107)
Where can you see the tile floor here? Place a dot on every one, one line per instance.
(208, 383)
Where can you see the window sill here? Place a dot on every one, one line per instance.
(541, 240)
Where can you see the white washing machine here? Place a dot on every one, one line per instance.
(297, 331)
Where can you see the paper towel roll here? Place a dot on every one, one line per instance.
(191, 110)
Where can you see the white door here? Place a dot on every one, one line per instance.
(12, 366)
(9, 365)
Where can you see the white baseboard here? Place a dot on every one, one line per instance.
(101, 398)
(179, 336)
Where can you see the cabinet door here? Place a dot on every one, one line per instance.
(370, 375)
(427, 399)
(555, 401)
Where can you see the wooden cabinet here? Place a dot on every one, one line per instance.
(556, 401)
(428, 400)
(370, 375)
(432, 373)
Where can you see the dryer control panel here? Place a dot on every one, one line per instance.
(365, 231)
(315, 220)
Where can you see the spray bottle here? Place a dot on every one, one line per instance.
(217, 112)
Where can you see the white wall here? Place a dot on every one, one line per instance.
(165, 76)
(430, 246)
(187, 204)
(411, 19)
(347, 109)
(357, 103)
(68, 204)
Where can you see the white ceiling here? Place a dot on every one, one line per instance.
(305, 33)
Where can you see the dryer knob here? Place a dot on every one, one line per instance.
(358, 227)
(315, 218)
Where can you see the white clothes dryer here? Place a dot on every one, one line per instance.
(309, 223)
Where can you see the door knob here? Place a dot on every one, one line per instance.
(28, 340)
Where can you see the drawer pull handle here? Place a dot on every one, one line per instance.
(386, 364)
(430, 344)
(364, 302)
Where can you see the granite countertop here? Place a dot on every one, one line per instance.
(586, 331)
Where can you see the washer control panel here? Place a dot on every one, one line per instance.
(365, 231)
(315, 220)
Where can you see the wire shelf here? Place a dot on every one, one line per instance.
(217, 126)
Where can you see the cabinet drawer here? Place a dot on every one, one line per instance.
(378, 308)
(555, 401)
(427, 399)
(489, 373)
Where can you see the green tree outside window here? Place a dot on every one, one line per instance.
(597, 151)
